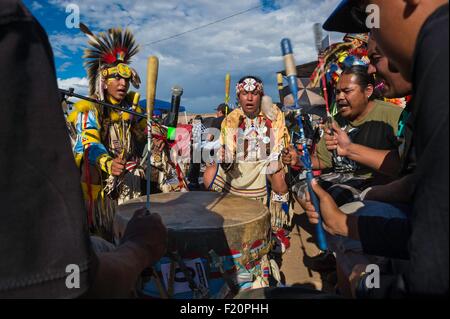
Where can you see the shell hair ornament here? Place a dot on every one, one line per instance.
(249, 84)
(108, 56)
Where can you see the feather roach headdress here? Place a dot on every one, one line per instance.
(340, 55)
(108, 56)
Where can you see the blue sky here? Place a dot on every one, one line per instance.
(246, 43)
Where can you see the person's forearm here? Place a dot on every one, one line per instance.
(117, 272)
(315, 161)
(399, 191)
(386, 162)
(278, 183)
(346, 226)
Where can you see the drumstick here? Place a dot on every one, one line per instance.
(171, 279)
(152, 78)
(227, 107)
(291, 73)
(136, 98)
(162, 292)
(227, 91)
(286, 133)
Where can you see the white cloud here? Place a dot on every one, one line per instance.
(80, 85)
(64, 45)
(198, 61)
(63, 67)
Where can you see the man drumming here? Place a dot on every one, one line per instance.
(252, 137)
(109, 143)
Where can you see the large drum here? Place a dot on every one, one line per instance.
(218, 244)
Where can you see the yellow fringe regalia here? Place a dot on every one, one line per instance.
(104, 134)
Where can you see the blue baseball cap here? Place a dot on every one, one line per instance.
(347, 18)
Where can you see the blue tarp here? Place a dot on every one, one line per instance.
(161, 105)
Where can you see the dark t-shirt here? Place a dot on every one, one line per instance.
(424, 238)
(377, 130)
(43, 224)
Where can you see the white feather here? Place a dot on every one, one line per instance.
(267, 108)
(93, 39)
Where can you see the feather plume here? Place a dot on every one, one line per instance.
(135, 79)
(105, 50)
(267, 108)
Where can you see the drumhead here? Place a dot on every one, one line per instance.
(197, 210)
(200, 221)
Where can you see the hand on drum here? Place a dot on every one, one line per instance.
(148, 233)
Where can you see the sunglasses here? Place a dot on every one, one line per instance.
(121, 70)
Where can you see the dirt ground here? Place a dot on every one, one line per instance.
(294, 271)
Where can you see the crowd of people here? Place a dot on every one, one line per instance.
(418, 232)
(382, 169)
